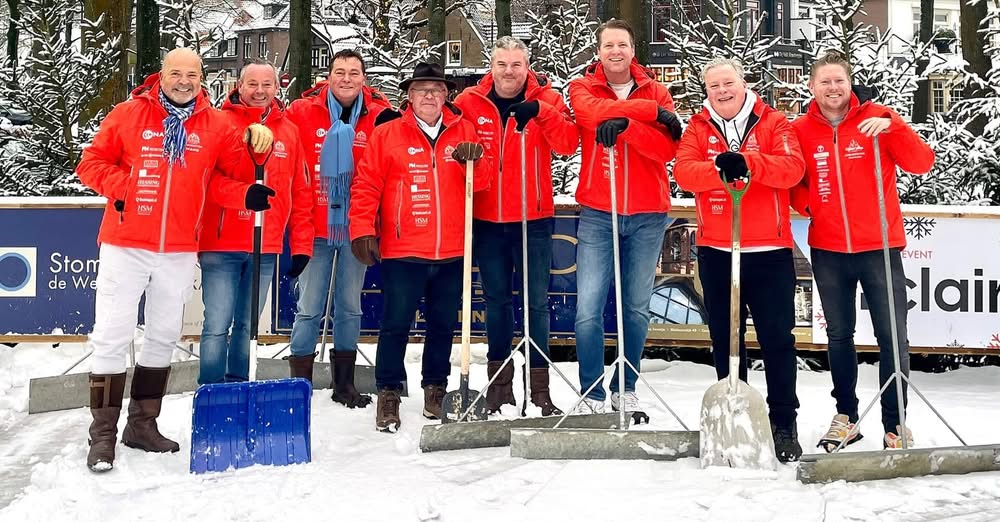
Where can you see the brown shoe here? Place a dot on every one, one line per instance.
(344, 391)
(106, 393)
(387, 411)
(502, 390)
(540, 392)
(148, 387)
(433, 397)
(301, 366)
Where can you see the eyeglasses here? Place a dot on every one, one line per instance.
(429, 91)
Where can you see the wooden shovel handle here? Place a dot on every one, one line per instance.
(467, 272)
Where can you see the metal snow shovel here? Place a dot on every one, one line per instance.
(735, 428)
(456, 403)
(494, 433)
(907, 462)
(235, 425)
(612, 442)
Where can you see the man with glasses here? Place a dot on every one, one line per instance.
(335, 120)
(410, 192)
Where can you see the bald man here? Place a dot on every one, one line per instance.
(155, 158)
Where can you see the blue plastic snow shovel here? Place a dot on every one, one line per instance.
(235, 425)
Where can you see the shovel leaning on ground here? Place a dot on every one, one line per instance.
(735, 429)
(458, 405)
(235, 425)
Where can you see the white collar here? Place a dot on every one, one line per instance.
(733, 129)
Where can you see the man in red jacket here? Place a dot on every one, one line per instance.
(335, 120)
(737, 137)
(227, 240)
(153, 158)
(845, 235)
(618, 104)
(410, 192)
(510, 100)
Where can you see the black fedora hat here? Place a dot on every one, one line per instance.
(427, 72)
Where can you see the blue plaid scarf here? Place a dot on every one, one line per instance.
(174, 133)
(336, 168)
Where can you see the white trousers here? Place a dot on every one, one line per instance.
(123, 275)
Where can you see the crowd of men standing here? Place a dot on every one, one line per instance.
(352, 181)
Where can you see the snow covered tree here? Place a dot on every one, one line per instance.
(563, 47)
(54, 84)
(720, 30)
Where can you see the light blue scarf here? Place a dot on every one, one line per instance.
(336, 167)
(174, 133)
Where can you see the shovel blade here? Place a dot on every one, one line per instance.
(735, 429)
(456, 402)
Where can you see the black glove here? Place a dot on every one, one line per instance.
(607, 132)
(732, 166)
(670, 121)
(365, 248)
(299, 262)
(386, 116)
(523, 112)
(119, 205)
(467, 151)
(257, 196)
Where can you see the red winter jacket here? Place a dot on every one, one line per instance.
(415, 191)
(775, 162)
(642, 151)
(163, 202)
(285, 171)
(311, 115)
(551, 131)
(839, 192)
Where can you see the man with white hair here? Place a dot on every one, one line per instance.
(511, 101)
(736, 139)
(153, 158)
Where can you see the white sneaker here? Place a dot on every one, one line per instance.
(589, 406)
(631, 401)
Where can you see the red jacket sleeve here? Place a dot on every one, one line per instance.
(692, 171)
(782, 166)
(482, 169)
(557, 126)
(366, 189)
(592, 110)
(650, 138)
(224, 187)
(906, 147)
(799, 196)
(100, 167)
(300, 222)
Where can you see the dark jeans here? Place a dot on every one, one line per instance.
(767, 292)
(497, 250)
(403, 284)
(837, 277)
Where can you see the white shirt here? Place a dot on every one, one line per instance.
(622, 89)
(431, 130)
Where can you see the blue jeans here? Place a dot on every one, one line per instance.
(404, 283)
(226, 278)
(837, 276)
(640, 239)
(497, 249)
(313, 287)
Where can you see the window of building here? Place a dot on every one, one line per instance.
(231, 47)
(454, 53)
(324, 58)
(779, 19)
(670, 304)
(938, 96)
(262, 45)
(246, 47)
(314, 57)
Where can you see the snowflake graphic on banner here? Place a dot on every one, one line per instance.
(918, 227)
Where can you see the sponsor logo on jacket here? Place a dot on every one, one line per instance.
(483, 120)
(149, 134)
(823, 185)
(412, 151)
(855, 150)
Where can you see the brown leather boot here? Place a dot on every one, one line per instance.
(502, 390)
(301, 366)
(148, 387)
(344, 391)
(433, 396)
(387, 411)
(106, 393)
(540, 392)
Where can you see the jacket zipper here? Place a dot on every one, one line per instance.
(399, 207)
(201, 206)
(166, 203)
(437, 200)
(840, 190)
(777, 213)
(625, 171)
(121, 213)
(503, 139)
(222, 218)
(538, 183)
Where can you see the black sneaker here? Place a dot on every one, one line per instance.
(786, 444)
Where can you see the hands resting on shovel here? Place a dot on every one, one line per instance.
(732, 167)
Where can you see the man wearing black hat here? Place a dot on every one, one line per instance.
(409, 191)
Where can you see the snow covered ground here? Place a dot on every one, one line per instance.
(358, 474)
